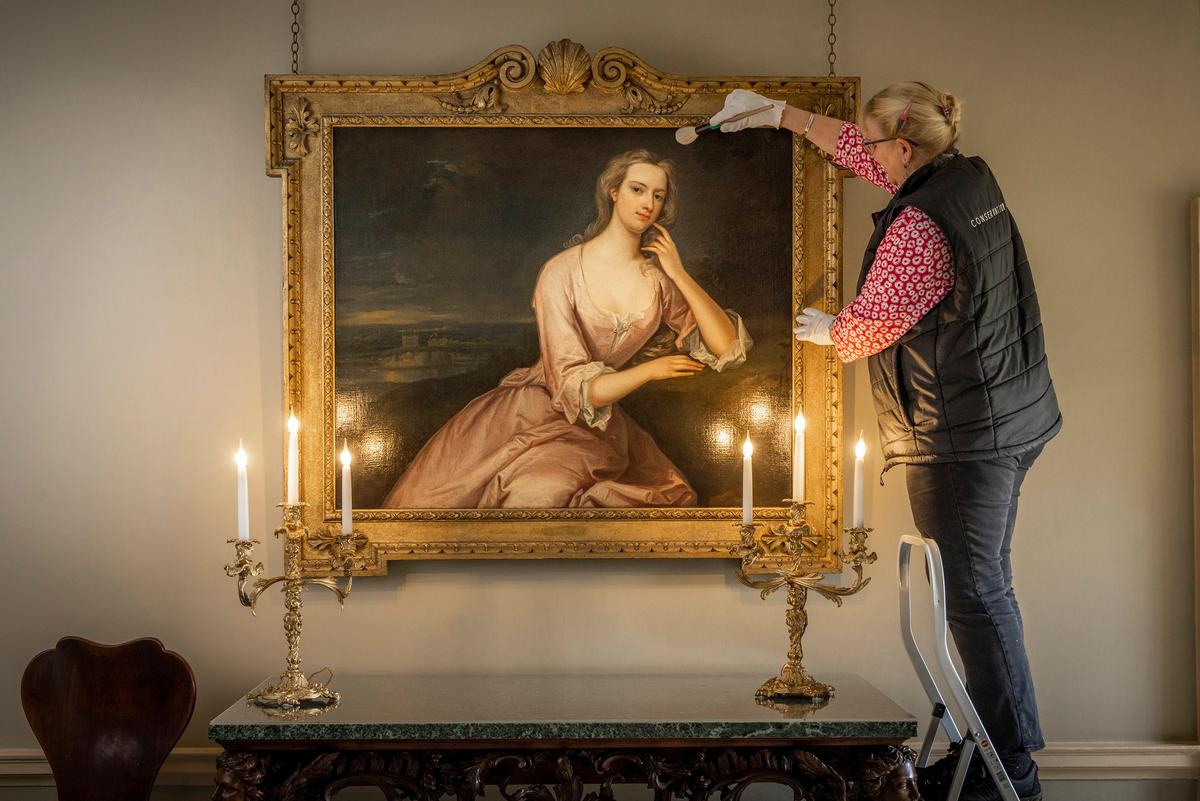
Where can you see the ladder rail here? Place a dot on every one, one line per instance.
(976, 733)
(907, 542)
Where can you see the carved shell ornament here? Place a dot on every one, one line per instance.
(564, 66)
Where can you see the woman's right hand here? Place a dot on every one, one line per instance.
(739, 101)
(665, 367)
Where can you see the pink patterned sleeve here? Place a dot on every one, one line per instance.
(852, 155)
(913, 270)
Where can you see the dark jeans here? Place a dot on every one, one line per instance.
(969, 509)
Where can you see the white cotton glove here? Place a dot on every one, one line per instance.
(740, 101)
(813, 326)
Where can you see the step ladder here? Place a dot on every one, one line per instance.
(976, 736)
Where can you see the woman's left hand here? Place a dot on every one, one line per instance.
(813, 325)
(668, 254)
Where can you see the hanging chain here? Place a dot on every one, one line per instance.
(832, 38)
(295, 37)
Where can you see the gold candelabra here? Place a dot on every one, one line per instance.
(776, 559)
(294, 688)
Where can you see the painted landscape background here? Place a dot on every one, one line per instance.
(439, 236)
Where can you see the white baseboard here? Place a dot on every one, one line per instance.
(1066, 761)
(1088, 760)
(1062, 761)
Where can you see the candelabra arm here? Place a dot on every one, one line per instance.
(857, 557)
(246, 570)
(249, 597)
(331, 584)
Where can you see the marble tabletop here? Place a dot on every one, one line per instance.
(595, 707)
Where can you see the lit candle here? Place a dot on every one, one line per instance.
(798, 460)
(243, 509)
(860, 452)
(347, 501)
(293, 460)
(747, 483)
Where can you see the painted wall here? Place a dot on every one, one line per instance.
(142, 338)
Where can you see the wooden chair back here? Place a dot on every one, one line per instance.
(107, 716)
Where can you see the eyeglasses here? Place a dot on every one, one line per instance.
(870, 143)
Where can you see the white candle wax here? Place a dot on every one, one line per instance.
(347, 496)
(747, 483)
(860, 452)
(293, 460)
(243, 495)
(798, 460)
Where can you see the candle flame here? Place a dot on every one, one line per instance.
(747, 447)
(346, 453)
(240, 456)
(801, 423)
(293, 423)
(860, 448)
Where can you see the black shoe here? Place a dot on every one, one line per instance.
(934, 780)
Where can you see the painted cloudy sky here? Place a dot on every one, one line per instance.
(448, 225)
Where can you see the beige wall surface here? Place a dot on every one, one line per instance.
(142, 338)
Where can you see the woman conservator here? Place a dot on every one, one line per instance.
(947, 314)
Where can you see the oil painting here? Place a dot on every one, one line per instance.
(541, 325)
(470, 335)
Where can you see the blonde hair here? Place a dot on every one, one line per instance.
(933, 120)
(610, 180)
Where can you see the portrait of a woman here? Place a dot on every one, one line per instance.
(553, 435)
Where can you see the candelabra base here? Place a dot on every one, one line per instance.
(294, 690)
(793, 681)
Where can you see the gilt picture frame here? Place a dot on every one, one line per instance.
(423, 217)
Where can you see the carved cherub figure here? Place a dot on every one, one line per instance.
(239, 777)
(888, 775)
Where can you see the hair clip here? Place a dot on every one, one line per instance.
(904, 114)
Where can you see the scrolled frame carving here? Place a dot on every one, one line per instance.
(513, 88)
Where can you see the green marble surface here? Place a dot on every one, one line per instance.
(570, 707)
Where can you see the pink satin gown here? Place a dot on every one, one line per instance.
(535, 441)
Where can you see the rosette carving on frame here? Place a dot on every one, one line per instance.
(347, 552)
(299, 123)
(564, 66)
(510, 67)
(644, 89)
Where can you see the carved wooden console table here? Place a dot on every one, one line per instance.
(568, 738)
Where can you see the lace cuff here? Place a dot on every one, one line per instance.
(693, 343)
(595, 418)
